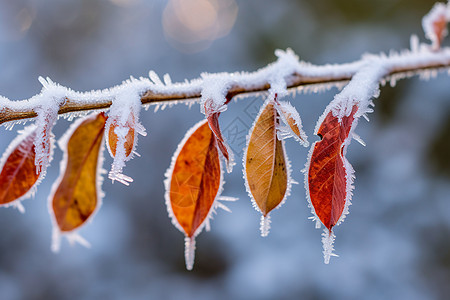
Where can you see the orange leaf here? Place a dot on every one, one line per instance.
(129, 138)
(77, 193)
(266, 169)
(329, 174)
(194, 181)
(18, 176)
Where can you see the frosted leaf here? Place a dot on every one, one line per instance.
(435, 24)
(74, 236)
(122, 129)
(292, 123)
(264, 127)
(16, 182)
(50, 99)
(190, 172)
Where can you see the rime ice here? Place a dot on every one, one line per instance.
(124, 115)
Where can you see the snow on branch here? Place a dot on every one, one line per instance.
(214, 90)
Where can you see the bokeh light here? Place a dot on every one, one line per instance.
(192, 25)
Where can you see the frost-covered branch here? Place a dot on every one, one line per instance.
(194, 180)
(298, 75)
(215, 90)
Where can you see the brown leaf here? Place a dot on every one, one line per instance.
(194, 181)
(265, 165)
(291, 118)
(18, 176)
(76, 195)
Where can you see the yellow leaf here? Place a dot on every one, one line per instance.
(76, 195)
(265, 165)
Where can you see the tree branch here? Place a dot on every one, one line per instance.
(302, 76)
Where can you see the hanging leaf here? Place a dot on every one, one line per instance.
(266, 168)
(18, 176)
(435, 24)
(213, 120)
(121, 133)
(330, 175)
(113, 138)
(76, 194)
(193, 185)
(291, 118)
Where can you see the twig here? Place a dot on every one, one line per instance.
(405, 64)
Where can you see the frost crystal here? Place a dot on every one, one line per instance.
(189, 252)
(292, 123)
(124, 115)
(328, 238)
(265, 225)
(50, 99)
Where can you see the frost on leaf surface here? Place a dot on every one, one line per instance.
(50, 99)
(121, 132)
(18, 176)
(193, 185)
(329, 175)
(435, 24)
(293, 124)
(227, 153)
(266, 167)
(76, 195)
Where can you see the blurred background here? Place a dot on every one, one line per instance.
(393, 245)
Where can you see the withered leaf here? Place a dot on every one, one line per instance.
(76, 195)
(291, 118)
(193, 183)
(213, 120)
(265, 165)
(18, 174)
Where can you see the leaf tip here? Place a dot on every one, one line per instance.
(265, 225)
(189, 252)
(328, 238)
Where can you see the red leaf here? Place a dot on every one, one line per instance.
(18, 174)
(328, 175)
(213, 121)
